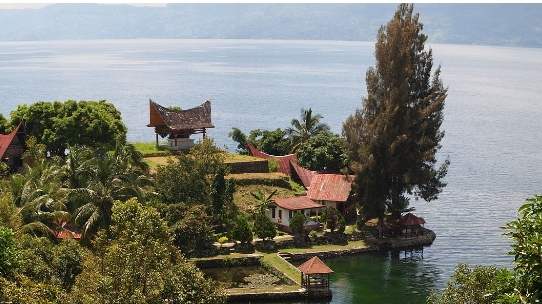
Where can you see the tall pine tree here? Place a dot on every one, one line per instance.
(394, 138)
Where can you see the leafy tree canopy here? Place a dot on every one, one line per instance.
(479, 284)
(138, 264)
(323, 152)
(526, 233)
(59, 125)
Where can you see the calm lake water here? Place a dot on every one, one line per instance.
(493, 125)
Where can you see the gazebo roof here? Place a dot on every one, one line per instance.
(194, 118)
(314, 266)
(6, 140)
(296, 203)
(410, 219)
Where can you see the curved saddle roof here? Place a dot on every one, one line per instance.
(194, 118)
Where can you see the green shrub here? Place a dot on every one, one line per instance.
(241, 230)
(273, 165)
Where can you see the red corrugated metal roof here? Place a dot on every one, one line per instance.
(330, 187)
(296, 203)
(314, 266)
(5, 141)
(283, 161)
(67, 234)
(304, 175)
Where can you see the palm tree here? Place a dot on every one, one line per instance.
(305, 127)
(113, 175)
(263, 201)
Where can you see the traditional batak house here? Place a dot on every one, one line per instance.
(178, 125)
(12, 147)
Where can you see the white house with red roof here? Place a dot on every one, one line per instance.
(283, 210)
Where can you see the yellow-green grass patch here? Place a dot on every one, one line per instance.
(289, 270)
(328, 247)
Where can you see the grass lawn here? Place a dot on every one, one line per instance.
(149, 148)
(160, 160)
(327, 247)
(272, 259)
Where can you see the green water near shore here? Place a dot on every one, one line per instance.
(382, 278)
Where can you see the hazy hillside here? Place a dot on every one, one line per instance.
(499, 24)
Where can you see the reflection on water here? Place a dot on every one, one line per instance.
(492, 123)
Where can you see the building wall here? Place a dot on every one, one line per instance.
(286, 215)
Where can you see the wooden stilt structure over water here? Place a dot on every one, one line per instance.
(315, 278)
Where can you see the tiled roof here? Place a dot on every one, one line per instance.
(410, 219)
(5, 141)
(283, 161)
(297, 203)
(330, 187)
(195, 118)
(314, 266)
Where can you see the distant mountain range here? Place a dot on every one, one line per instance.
(491, 24)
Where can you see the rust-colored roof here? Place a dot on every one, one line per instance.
(6, 140)
(304, 175)
(314, 266)
(195, 118)
(296, 203)
(330, 187)
(67, 234)
(410, 219)
(283, 161)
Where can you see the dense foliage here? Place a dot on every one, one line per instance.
(324, 151)
(139, 264)
(282, 141)
(479, 284)
(129, 252)
(241, 230)
(3, 124)
(526, 233)
(60, 125)
(394, 138)
(487, 284)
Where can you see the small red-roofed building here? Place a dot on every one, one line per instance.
(283, 210)
(315, 277)
(12, 147)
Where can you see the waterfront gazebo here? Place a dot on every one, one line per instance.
(178, 125)
(315, 277)
(411, 224)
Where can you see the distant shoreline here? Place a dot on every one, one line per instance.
(259, 40)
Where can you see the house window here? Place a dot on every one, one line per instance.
(291, 214)
(280, 214)
(273, 212)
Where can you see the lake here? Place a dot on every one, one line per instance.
(493, 125)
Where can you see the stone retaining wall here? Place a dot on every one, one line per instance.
(248, 260)
(256, 166)
(267, 296)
